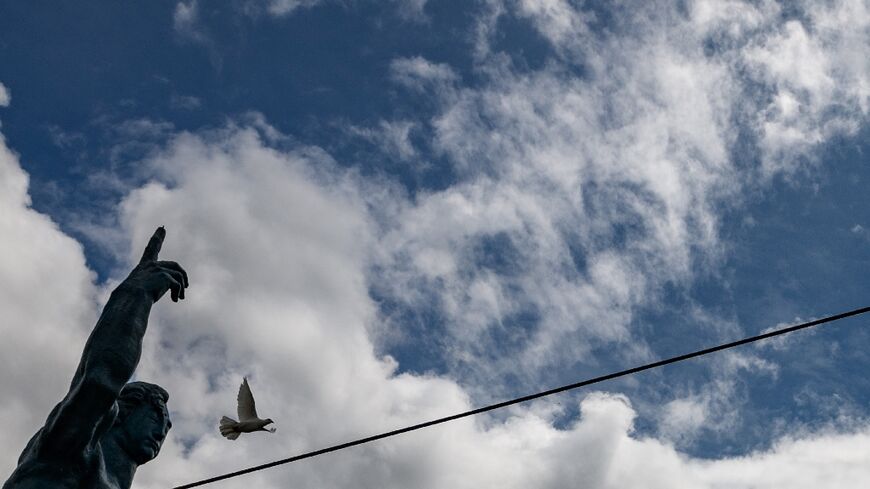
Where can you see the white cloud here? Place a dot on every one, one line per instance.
(553, 167)
(412, 9)
(393, 137)
(48, 302)
(860, 232)
(815, 68)
(285, 7)
(420, 74)
(188, 27)
(635, 151)
(185, 102)
(712, 407)
(276, 245)
(408, 9)
(185, 18)
(5, 98)
(143, 128)
(558, 20)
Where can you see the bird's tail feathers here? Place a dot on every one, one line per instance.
(228, 428)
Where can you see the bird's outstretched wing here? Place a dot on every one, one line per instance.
(247, 408)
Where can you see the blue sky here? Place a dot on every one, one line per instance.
(398, 210)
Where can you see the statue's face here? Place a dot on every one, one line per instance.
(143, 431)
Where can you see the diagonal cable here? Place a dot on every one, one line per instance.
(530, 397)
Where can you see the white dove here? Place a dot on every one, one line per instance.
(248, 421)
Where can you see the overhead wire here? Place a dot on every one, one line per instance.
(530, 397)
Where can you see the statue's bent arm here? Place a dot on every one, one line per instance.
(111, 354)
(108, 361)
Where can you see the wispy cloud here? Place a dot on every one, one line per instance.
(185, 102)
(412, 9)
(5, 98)
(185, 21)
(286, 7)
(189, 27)
(393, 137)
(580, 193)
(421, 74)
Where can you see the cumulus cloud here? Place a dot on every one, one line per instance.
(48, 303)
(276, 244)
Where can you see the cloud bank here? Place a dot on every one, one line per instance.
(48, 302)
(275, 244)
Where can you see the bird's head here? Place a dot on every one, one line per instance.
(268, 422)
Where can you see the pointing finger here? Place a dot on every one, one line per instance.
(153, 248)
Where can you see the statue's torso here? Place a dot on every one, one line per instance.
(83, 471)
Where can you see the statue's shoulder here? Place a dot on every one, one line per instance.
(35, 470)
(38, 451)
(47, 462)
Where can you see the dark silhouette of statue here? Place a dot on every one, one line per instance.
(105, 428)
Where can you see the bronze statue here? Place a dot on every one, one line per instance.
(104, 428)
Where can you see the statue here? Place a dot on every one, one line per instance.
(105, 428)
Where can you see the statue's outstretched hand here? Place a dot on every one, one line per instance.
(156, 277)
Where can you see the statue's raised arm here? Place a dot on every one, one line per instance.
(104, 427)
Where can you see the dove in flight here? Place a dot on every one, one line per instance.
(248, 421)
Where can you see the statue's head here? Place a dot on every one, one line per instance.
(143, 420)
